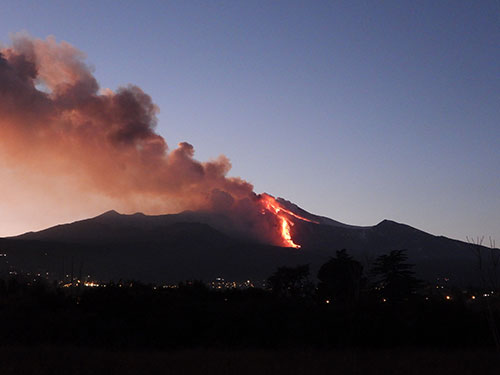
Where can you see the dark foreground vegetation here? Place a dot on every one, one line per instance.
(385, 321)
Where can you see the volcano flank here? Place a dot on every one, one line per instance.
(206, 245)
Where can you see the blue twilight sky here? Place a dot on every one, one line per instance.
(356, 110)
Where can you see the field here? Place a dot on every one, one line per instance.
(86, 361)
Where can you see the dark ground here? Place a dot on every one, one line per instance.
(43, 360)
(292, 328)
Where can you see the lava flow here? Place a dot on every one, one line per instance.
(272, 205)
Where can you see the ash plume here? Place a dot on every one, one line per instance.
(64, 141)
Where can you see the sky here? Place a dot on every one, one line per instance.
(358, 110)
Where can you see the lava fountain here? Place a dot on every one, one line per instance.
(271, 205)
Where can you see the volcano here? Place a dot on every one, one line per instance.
(207, 244)
(101, 145)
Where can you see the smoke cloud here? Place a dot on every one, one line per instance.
(69, 148)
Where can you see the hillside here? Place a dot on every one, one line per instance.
(202, 245)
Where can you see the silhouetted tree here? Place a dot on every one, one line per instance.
(488, 267)
(488, 262)
(291, 281)
(341, 279)
(396, 278)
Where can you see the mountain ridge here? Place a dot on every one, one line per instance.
(201, 244)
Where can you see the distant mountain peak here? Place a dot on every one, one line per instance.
(110, 213)
(387, 221)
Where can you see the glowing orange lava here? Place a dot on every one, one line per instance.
(273, 206)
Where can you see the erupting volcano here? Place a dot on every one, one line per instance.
(101, 146)
(272, 206)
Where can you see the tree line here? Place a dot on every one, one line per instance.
(349, 306)
(342, 280)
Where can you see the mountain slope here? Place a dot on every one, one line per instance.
(203, 245)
